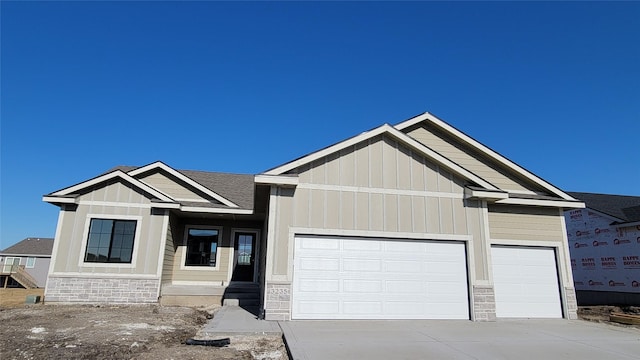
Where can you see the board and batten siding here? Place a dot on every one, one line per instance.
(98, 202)
(468, 159)
(513, 222)
(171, 187)
(378, 186)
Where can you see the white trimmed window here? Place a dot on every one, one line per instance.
(31, 263)
(110, 241)
(202, 247)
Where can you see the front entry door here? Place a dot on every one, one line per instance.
(245, 255)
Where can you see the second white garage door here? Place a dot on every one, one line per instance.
(365, 278)
(526, 282)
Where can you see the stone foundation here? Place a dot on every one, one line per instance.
(484, 303)
(278, 306)
(572, 303)
(101, 290)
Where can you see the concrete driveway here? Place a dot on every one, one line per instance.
(455, 339)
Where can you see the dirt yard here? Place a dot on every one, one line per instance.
(119, 332)
(601, 313)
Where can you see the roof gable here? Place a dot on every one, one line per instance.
(382, 164)
(484, 150)
(394, 133)
(160, 166)
(117, 174)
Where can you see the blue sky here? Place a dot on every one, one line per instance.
(243, 87)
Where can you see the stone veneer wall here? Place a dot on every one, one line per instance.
(572, 303)
(278, 306)
(484, 303)
(102, 290)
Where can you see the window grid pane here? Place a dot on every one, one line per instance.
(110, 241)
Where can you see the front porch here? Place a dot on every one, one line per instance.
(214, 259)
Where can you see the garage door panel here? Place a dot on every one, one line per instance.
(526, 282)
(409, 282)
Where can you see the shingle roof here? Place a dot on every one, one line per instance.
(30, 246)
(238, 188)
(623, 207)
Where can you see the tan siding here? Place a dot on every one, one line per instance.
(405, 220)
(431, 176)
(347, 210)
(475, 226)
(348, 168)
(301, 215)
(375, 160)
(417, 174)
(362, 211)
(389, 165)
(525, 223)
(332, 170)
(404, 159)
(285, 210)
(376, 212)
(419, 214)
(169, 254)
(390, 212)
(433, 215)
(362, 165)
(470, 160)
(172, 187)
(332, 210)
(317, 209)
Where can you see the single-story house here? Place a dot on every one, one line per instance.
(31, 255)
(604, 242)
(412, 221)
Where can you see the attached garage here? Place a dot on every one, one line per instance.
(526, 282)
(377, 278)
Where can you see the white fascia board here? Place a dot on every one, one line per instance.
(487, 151)
(276, 180)
(391, 131)
(181, 176)
(59, 199)
(326, 151)
(215, 210)
(486, 195)
(159, 205)
(535, 202)
(114, 174)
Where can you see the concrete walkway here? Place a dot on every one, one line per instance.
(233, 320)
(457, 339)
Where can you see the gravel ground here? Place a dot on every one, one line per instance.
(119, 332)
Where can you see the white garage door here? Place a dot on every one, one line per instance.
(357, 278)
(526, 282)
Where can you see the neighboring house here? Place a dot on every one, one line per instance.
(604, 241)
(412, 221)
(32, 255)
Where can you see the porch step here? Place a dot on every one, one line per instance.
(242, 294)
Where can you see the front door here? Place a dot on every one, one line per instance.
(245, 255)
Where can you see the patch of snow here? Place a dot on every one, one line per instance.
(145, 326)
(38, 330)
(269, 355)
